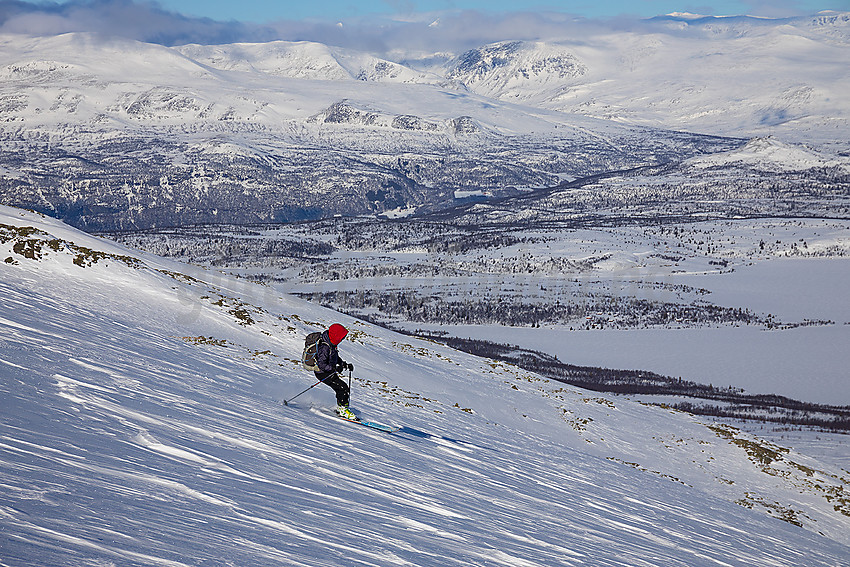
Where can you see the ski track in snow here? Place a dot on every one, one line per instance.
(123, 443)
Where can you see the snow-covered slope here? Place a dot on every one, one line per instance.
(728, 75)
(303, 60)
(516, 69)
(142, 424)
(771, 155)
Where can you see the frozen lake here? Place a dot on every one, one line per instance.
(806, 363)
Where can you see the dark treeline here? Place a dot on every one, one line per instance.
(816, 419)
(593, 310)
(760, 407)
(223, 245)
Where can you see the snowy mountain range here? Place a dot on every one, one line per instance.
(143, 424)
(110, 133)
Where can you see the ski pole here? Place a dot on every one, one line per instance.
(349, 382)
(286, 402)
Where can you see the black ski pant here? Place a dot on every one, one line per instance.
(333, 380)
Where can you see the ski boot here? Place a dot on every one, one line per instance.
(345, 413)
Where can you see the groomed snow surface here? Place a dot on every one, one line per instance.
(142, 423)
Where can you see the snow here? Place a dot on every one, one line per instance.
(726, 76)
(770, 155)
(142, 424)
(141, 420)
(399, 213)
(806, 363)
(791, 288)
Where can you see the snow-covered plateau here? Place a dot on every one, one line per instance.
(142, 423)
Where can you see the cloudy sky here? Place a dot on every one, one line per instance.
(271, 10)
(364, 24)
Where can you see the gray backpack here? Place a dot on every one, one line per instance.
(311, 349)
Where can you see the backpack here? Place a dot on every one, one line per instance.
(311, 349)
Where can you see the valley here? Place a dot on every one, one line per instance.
(754, 304)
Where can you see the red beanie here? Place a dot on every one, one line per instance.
(336, 333)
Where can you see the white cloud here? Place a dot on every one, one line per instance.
(457, 30)
(144, 21)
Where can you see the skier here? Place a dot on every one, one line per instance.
(330, 365)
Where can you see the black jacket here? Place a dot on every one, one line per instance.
(327, 356)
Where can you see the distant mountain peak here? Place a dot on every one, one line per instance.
(687, 16)
(516, 69)
(770, 153)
